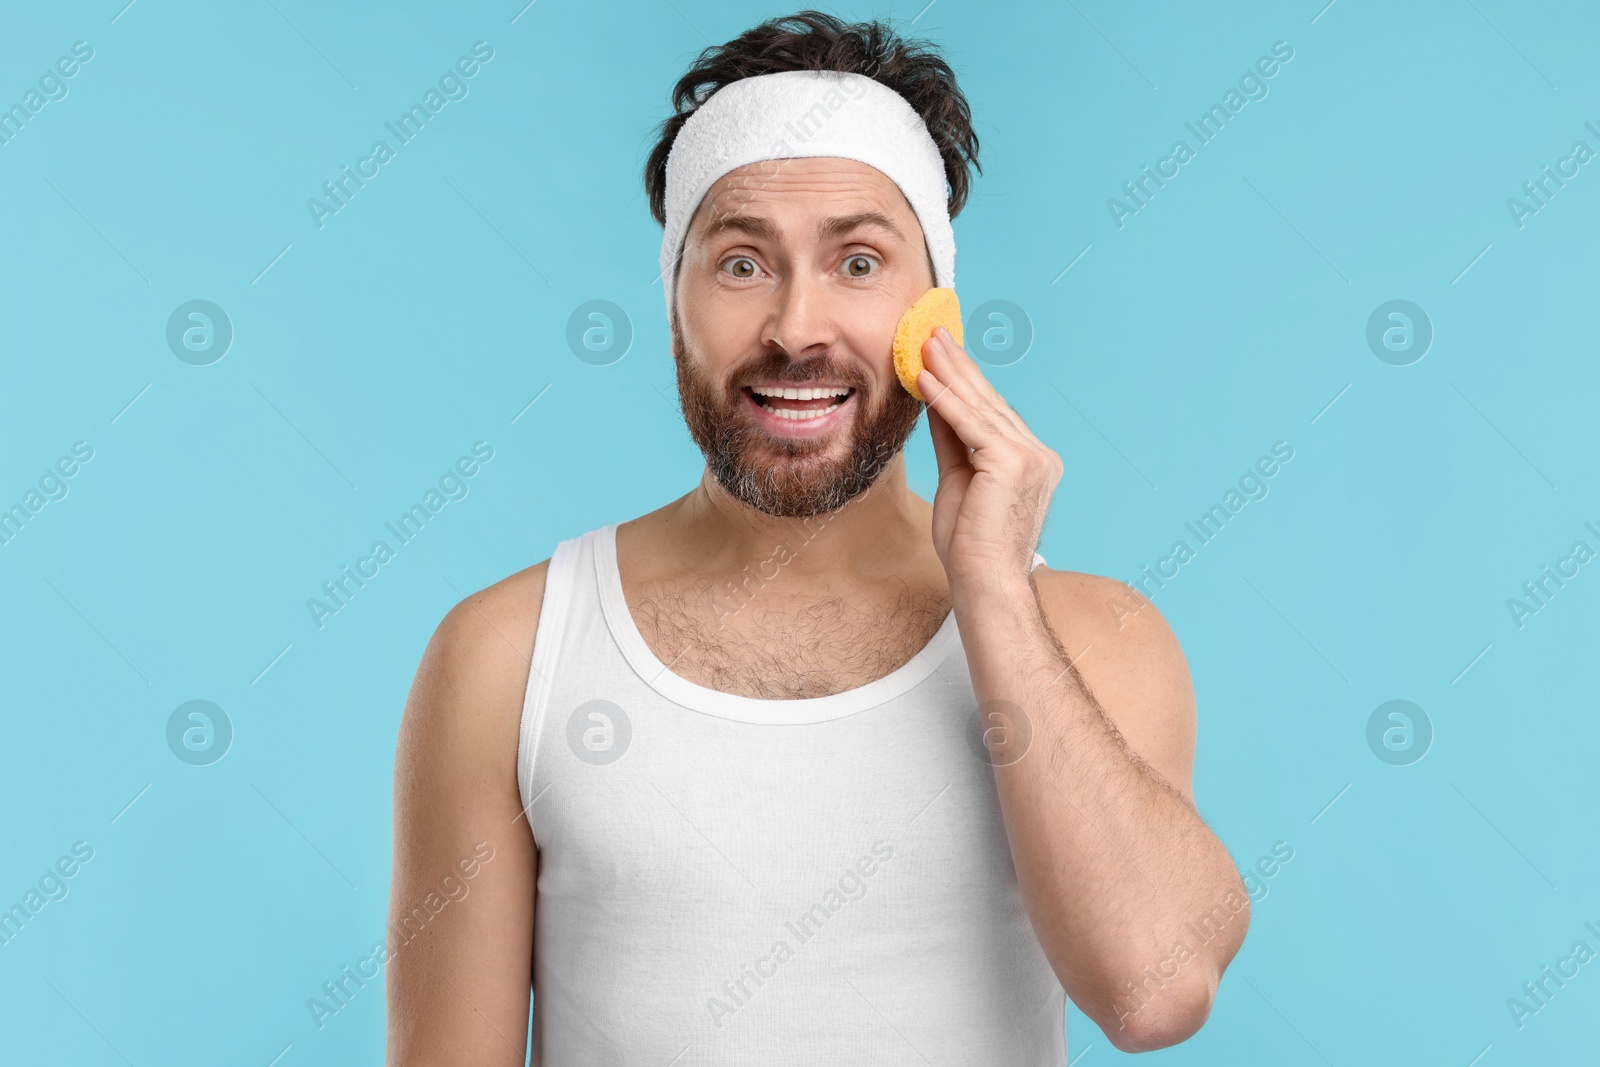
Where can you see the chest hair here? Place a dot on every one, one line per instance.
(770, 651)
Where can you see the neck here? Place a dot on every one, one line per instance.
(885, 530)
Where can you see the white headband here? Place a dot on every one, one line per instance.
(808, 113)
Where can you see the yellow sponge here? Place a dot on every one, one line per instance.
(935, 308)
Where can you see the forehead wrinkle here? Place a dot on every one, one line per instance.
(834, 226)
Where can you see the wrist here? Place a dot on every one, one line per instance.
(1009, 595)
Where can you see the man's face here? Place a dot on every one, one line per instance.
(794, 274)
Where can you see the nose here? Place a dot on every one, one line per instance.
(802, 317)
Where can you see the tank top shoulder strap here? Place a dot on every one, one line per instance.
(570, 594)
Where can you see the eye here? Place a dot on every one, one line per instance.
(857, 260)
(749, 272)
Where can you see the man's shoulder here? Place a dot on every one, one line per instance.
(493, 628)
(466, 701)
(498, 622)
(1092, 601)
(1130, 659)
(1091, 609)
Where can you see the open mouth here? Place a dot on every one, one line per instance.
(799, 405)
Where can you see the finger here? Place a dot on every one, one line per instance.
(974, 386)
(962, 374)
(977, 428)
(960, 369)
(948, 448)
(995, 440)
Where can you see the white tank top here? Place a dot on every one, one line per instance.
(728, 881)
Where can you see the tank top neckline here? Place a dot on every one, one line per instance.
(696, 697)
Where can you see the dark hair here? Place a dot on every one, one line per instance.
(813, 40)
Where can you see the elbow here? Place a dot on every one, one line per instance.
(1165, 1022)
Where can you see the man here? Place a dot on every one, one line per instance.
(801, 768)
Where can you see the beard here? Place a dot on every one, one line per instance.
(790, 477)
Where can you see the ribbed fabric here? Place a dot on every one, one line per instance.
(774, 882)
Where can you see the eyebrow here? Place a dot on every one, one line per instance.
(827, 229)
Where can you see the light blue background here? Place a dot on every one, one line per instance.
(1228, 314)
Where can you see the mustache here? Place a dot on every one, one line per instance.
(779, 369)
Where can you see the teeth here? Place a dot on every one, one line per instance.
(809, 393)
(799, 416)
